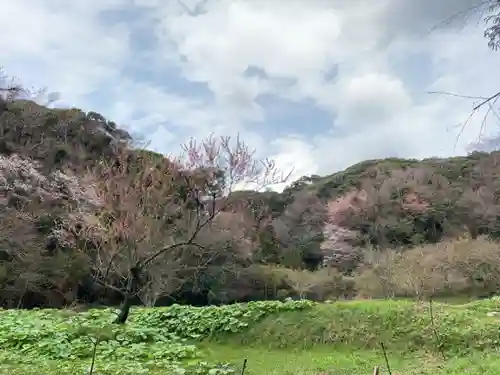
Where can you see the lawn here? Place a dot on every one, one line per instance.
(296, 337)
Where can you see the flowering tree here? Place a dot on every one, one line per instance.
(161, 215)
(38, 242)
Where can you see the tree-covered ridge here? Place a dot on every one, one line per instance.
(89, 218)
(86, 215)
(408, 201)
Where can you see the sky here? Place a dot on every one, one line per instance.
(316, 85)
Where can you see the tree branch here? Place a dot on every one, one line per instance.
(106, 285)
(487, 100)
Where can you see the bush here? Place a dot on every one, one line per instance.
(324, 284)
(459, 267)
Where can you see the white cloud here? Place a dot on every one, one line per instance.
(376, 110)
(288, 161)
(219, 45)
(61, 45)
(370, 99)
(231, 35)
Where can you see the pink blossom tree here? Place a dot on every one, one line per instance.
(162, 214)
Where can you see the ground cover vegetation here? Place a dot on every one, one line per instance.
(299, 337)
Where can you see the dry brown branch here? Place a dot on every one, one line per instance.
(95, 344)
(489, 11)
(11, 89)
(384, 352)
(437, 338)
(478, 8)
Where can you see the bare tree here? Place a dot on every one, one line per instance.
(302, 282)
(11, 89)
(161, 215)
(492, 20)
(489, 10)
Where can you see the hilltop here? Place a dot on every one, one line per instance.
(410, 202)
(76, 192)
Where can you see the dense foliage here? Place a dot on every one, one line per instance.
(413, 202)
(155, 339)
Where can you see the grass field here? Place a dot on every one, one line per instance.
(276, 338)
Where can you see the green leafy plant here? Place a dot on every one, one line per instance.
(154, 339)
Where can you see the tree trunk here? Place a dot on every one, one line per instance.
(131, 291)
(124, 310)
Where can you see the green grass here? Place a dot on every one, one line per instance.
(317, 361)
(276, 338)
(324, 360)
(401, 325)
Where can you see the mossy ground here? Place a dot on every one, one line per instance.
(337, 338)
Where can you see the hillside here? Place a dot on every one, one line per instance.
(88, 218)
(431, 198)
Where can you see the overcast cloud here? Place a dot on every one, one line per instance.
(318, 85)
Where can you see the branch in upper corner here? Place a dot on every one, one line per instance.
(484, 101)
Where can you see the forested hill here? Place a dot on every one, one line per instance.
(87, 218)
(407, 201)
